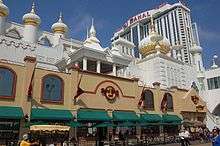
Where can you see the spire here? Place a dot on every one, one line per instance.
(92, 31)
(152, 27)
(87, 32)
(33, 8)
(60, 18)
(214, 65)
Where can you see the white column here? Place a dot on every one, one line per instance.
(30, 33)
(2, 24)
(114, 70)
(84, 63)
(98, 66)
(125, 72)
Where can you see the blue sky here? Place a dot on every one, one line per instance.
(109, 15)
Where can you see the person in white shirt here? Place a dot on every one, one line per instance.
(184, 137)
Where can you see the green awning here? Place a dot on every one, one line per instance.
(171, 119)
(51, 114)
(9, 112)
(92, 115)
(74, 124)
(150, 118)
(104, 124)
(125, 116)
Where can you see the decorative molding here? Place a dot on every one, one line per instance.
(30, 59)
(156, 84)
(108, 81)
(17, 44)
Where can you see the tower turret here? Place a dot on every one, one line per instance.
(31, 23)
(4, 11)
(196, 52)
(59, 29)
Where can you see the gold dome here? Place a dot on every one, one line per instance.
(4, 11)
(59, 27)
(31, 18)
(154, 43)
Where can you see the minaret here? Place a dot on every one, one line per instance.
(4, 11)
(196, 52)
(59, 29)
(31, 23)
(214, 65)
(92, 41)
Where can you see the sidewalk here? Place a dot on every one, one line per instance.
(177, 144)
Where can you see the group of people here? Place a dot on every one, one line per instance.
(213, 136)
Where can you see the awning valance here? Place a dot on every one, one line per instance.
(49, 128)
(9, 112)
(125, 116)
(51, 114)
(150, 118)
(92, 115)
(173, 119)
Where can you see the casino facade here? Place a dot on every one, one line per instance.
(59, 89)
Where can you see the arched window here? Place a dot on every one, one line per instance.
(169, 102)
(7, 82)
(52, 89)
(148, 100)
(45, 41)
(13, 33)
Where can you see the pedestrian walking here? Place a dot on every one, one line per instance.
(216, 137)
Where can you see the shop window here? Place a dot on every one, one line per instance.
(169, 102)
(7, 82)
(148, 100)
(52, 89)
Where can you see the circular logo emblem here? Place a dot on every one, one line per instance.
(110, 93)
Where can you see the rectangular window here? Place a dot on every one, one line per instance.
(174, 31)
(161, 29)
(135, 41)
(169, 32)
(177, 28)
(216, 83)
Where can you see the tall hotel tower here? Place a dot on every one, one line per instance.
(171, 21)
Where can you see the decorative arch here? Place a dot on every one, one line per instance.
(45, 41)
(13, 33)
(109, 81)
(52, 89)
(148, 98)
(8, 79)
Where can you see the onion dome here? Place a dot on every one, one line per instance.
(4, 11)
(59, 27)
(32, 18)
(154, 43)
(195, 49)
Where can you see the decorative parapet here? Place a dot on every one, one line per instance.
(17, 43)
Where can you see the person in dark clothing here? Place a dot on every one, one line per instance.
(216, 137)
